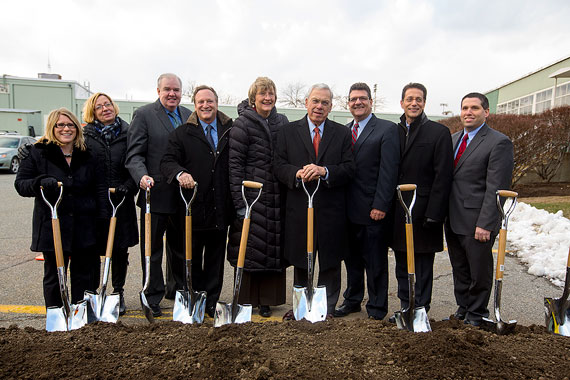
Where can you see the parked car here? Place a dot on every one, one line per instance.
(9, 144)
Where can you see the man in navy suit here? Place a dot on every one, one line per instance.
(147, 140)
(375, 147)
(483, 160)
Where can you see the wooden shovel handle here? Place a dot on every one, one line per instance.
(111, 237)
(252, 184)
(568, 263)
(112, 190)
(188, 239)
(243, 242)
(501, 255)
(59, 261)
(147, 247)
(407, 187)
(410, 247)
(508, 193)
(310, 228)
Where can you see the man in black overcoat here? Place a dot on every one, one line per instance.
(311, 148)
(426, 159)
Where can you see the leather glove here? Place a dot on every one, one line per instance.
(430, 223)
(24, 151)
(121, 191)
(49, 183)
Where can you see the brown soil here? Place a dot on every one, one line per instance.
(541, 189)
(335, 349)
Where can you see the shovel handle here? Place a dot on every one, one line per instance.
(188, 239)
(507, 193)
(410, 248)
(111, 237)
(310, 227)
(243, 242)
(501, 254)
(407, 187)
(252, 184)
(57, 243)
(568, 262)
(147, 247)
(112, 190)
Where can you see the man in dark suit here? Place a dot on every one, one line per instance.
(146, 140)
(198, 151)
(426, 159)
(311, 148)
(369, 197)
(483, 164)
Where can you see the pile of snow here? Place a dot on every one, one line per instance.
(541, 240)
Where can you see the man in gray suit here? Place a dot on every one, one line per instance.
(375, 146)
(147, 140)
(483, 160)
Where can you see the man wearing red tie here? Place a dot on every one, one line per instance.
(306, 150)
(483, 164)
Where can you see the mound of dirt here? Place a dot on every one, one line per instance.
(335, 349)
(543, 189)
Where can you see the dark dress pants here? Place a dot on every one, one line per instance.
(368, 252)
(208, 254)
(472, 263)
(424, 278)
(119, 264)
(84, 271)
(330, 278)
(159, 225)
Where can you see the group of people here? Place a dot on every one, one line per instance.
(357, 215)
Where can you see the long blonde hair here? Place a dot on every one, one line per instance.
(49, 135)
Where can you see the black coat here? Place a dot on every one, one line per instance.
(426, 159)
(189, 151)
(252, 141)
(112, 159)
(293, 151)
(83, 201)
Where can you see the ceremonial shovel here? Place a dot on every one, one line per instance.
(234, 312)
(189, 305)
(101, 307)
(413, 318)
(147, 251)
(310, 302)
(501, 327)
(69, 317)
(556, 309)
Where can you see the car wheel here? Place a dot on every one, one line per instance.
(15, 165)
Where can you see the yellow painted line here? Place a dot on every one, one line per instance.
(22, 309)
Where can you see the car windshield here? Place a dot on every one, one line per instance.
(9, 142)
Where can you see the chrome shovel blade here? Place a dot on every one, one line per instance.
(554, 323)
(314, 310)
(101, 307)
(185, 310)
(413, 320)
(146, 308)
(500, 327)
(57, 321)
(224, 316)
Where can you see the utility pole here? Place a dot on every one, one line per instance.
(374, 104)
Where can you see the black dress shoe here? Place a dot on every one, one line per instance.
(210, 310)
(345, 309)
(472, 322)
(265, 311)
(392, 319)
(156, 312)
(289, 316)
(376, 318)
(459, 315)
(122, 306)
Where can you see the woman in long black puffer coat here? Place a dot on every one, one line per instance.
(251, 158)
(106, 138)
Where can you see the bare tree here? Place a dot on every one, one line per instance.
(293, 95)
(227, 99)
(340, 102)
(188, 90)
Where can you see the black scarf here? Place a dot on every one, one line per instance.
(109, 132)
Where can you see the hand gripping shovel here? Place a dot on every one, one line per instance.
(310, 302)
(189, 305)
(69, 317)
(234, 312)
(147, 250)
(556, 309)
(501, 327)
(413, 318)
(100, 306)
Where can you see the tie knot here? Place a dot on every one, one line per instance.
(317, 130)
(356, 125)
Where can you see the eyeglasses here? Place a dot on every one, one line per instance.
(100, 106)
(409, 99)
(361, 98)
(63, 125)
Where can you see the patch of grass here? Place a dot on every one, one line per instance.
(553, 207)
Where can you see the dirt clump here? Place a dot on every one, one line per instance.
(334, 349)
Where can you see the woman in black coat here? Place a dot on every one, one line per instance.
(60, 155)
(106, 138)
(251, 158)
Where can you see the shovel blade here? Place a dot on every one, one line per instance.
(185, 310)
(413, 320)
(146, 308)
(56, 319)
(501, 327)
(554, 322)
(314, 310)
(102, 308)
(224, 315)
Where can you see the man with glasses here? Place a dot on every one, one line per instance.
(426, 159)
(147, 139)
(198, 152)
(306, 150)
(375, 145)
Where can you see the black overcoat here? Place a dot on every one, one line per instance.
(295, 150)
(426, 159)
(189, 151)
(83, 200)
(252, 141)
(111, 157)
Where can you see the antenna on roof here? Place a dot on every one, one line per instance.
(49, 63)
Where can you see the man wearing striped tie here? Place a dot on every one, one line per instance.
(375, 147)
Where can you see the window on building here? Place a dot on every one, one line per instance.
(501, 108)
(562, 95)
(513, 107)
(525, 105)
(543, 101)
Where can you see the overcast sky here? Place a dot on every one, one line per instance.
(120, 47)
